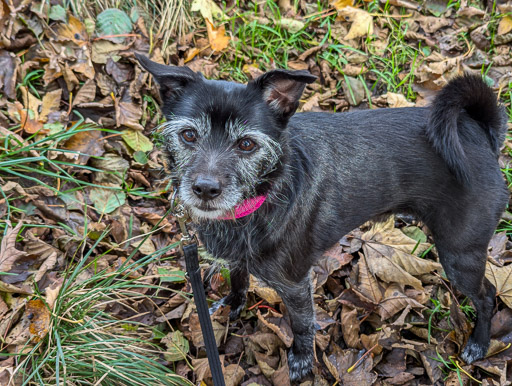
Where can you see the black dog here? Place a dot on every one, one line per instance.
(269, 192)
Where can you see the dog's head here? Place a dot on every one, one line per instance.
(224, 140)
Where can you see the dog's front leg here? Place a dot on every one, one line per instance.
(298, 299)
(237, 297)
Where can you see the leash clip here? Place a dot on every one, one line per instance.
(182, 216)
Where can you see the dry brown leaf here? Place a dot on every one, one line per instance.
(505, 25)
(394, 301)
(350, 327)
(362, 22)
(233, 374)
(88, 143)
(8, 73)
(368, 284)
(397, 100)
(276, 323)
(8, 252)
(52, 292)
(128, 114)
(39, 317)
(51, 103)
(30, 102)
(48, 264)
(501, 277)
(387, 251)
(217, 36)
(86, 94)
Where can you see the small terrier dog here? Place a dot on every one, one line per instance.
(269, 191)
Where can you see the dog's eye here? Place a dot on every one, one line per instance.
(189, 135)
(246, 144)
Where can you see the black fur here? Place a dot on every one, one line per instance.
(333, 172)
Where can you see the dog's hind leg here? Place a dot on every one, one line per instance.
(466, 272)
(462, 247)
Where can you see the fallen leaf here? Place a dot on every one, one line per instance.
(387, 251)
(87, 93)
(50, 103)
(340, 4)
(48, 264)
(217, 36)
(39, 317)
(177, 346)
(292, 25)
(85, 144)
(276, 323)
(136, 140)
(350, 327)
(112, 23)
(73, 31)
(8, 252)
(208, 9)
(505, 25)
(233, 374)
(8, 73)
(501, 277)
(362, 22)
(397, 100)
(106, 200)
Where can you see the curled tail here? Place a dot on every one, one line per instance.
(468, 92)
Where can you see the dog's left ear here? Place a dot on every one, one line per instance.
(282, 89)
(171, 79)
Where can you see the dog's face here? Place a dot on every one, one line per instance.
(224, 140)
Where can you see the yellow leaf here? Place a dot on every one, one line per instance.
(501, 277)
(39, 317)
(51, 102)
(217, 36)
(362, 22)
(73, 31)
(340, 4)
(208, 9)
(191, 54)
(505, 25)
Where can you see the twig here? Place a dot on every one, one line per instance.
(361, 359)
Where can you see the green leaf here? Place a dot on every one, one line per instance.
(57, 12)
(106, 200)
(137, 141)
(177, 346)
(415, 233)
(172, 275)
(140, 157)
(113, 22)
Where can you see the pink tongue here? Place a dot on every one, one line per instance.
(245, 208)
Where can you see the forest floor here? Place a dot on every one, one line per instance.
(92, 283)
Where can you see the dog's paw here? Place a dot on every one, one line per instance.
(235, 301)
(300, 365)
(473, 352)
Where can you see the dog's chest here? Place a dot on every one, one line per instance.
(228, 242)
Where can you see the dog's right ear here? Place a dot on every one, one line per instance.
(282, 89)
(171, 79)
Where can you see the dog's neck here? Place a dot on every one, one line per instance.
(245, 208)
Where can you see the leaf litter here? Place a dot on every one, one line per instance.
(87, 185)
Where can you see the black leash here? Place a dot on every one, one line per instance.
(188, 245)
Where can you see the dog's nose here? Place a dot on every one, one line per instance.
(206, 188)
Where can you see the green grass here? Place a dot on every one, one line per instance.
(87, 345)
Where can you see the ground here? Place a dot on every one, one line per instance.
(92, 282)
